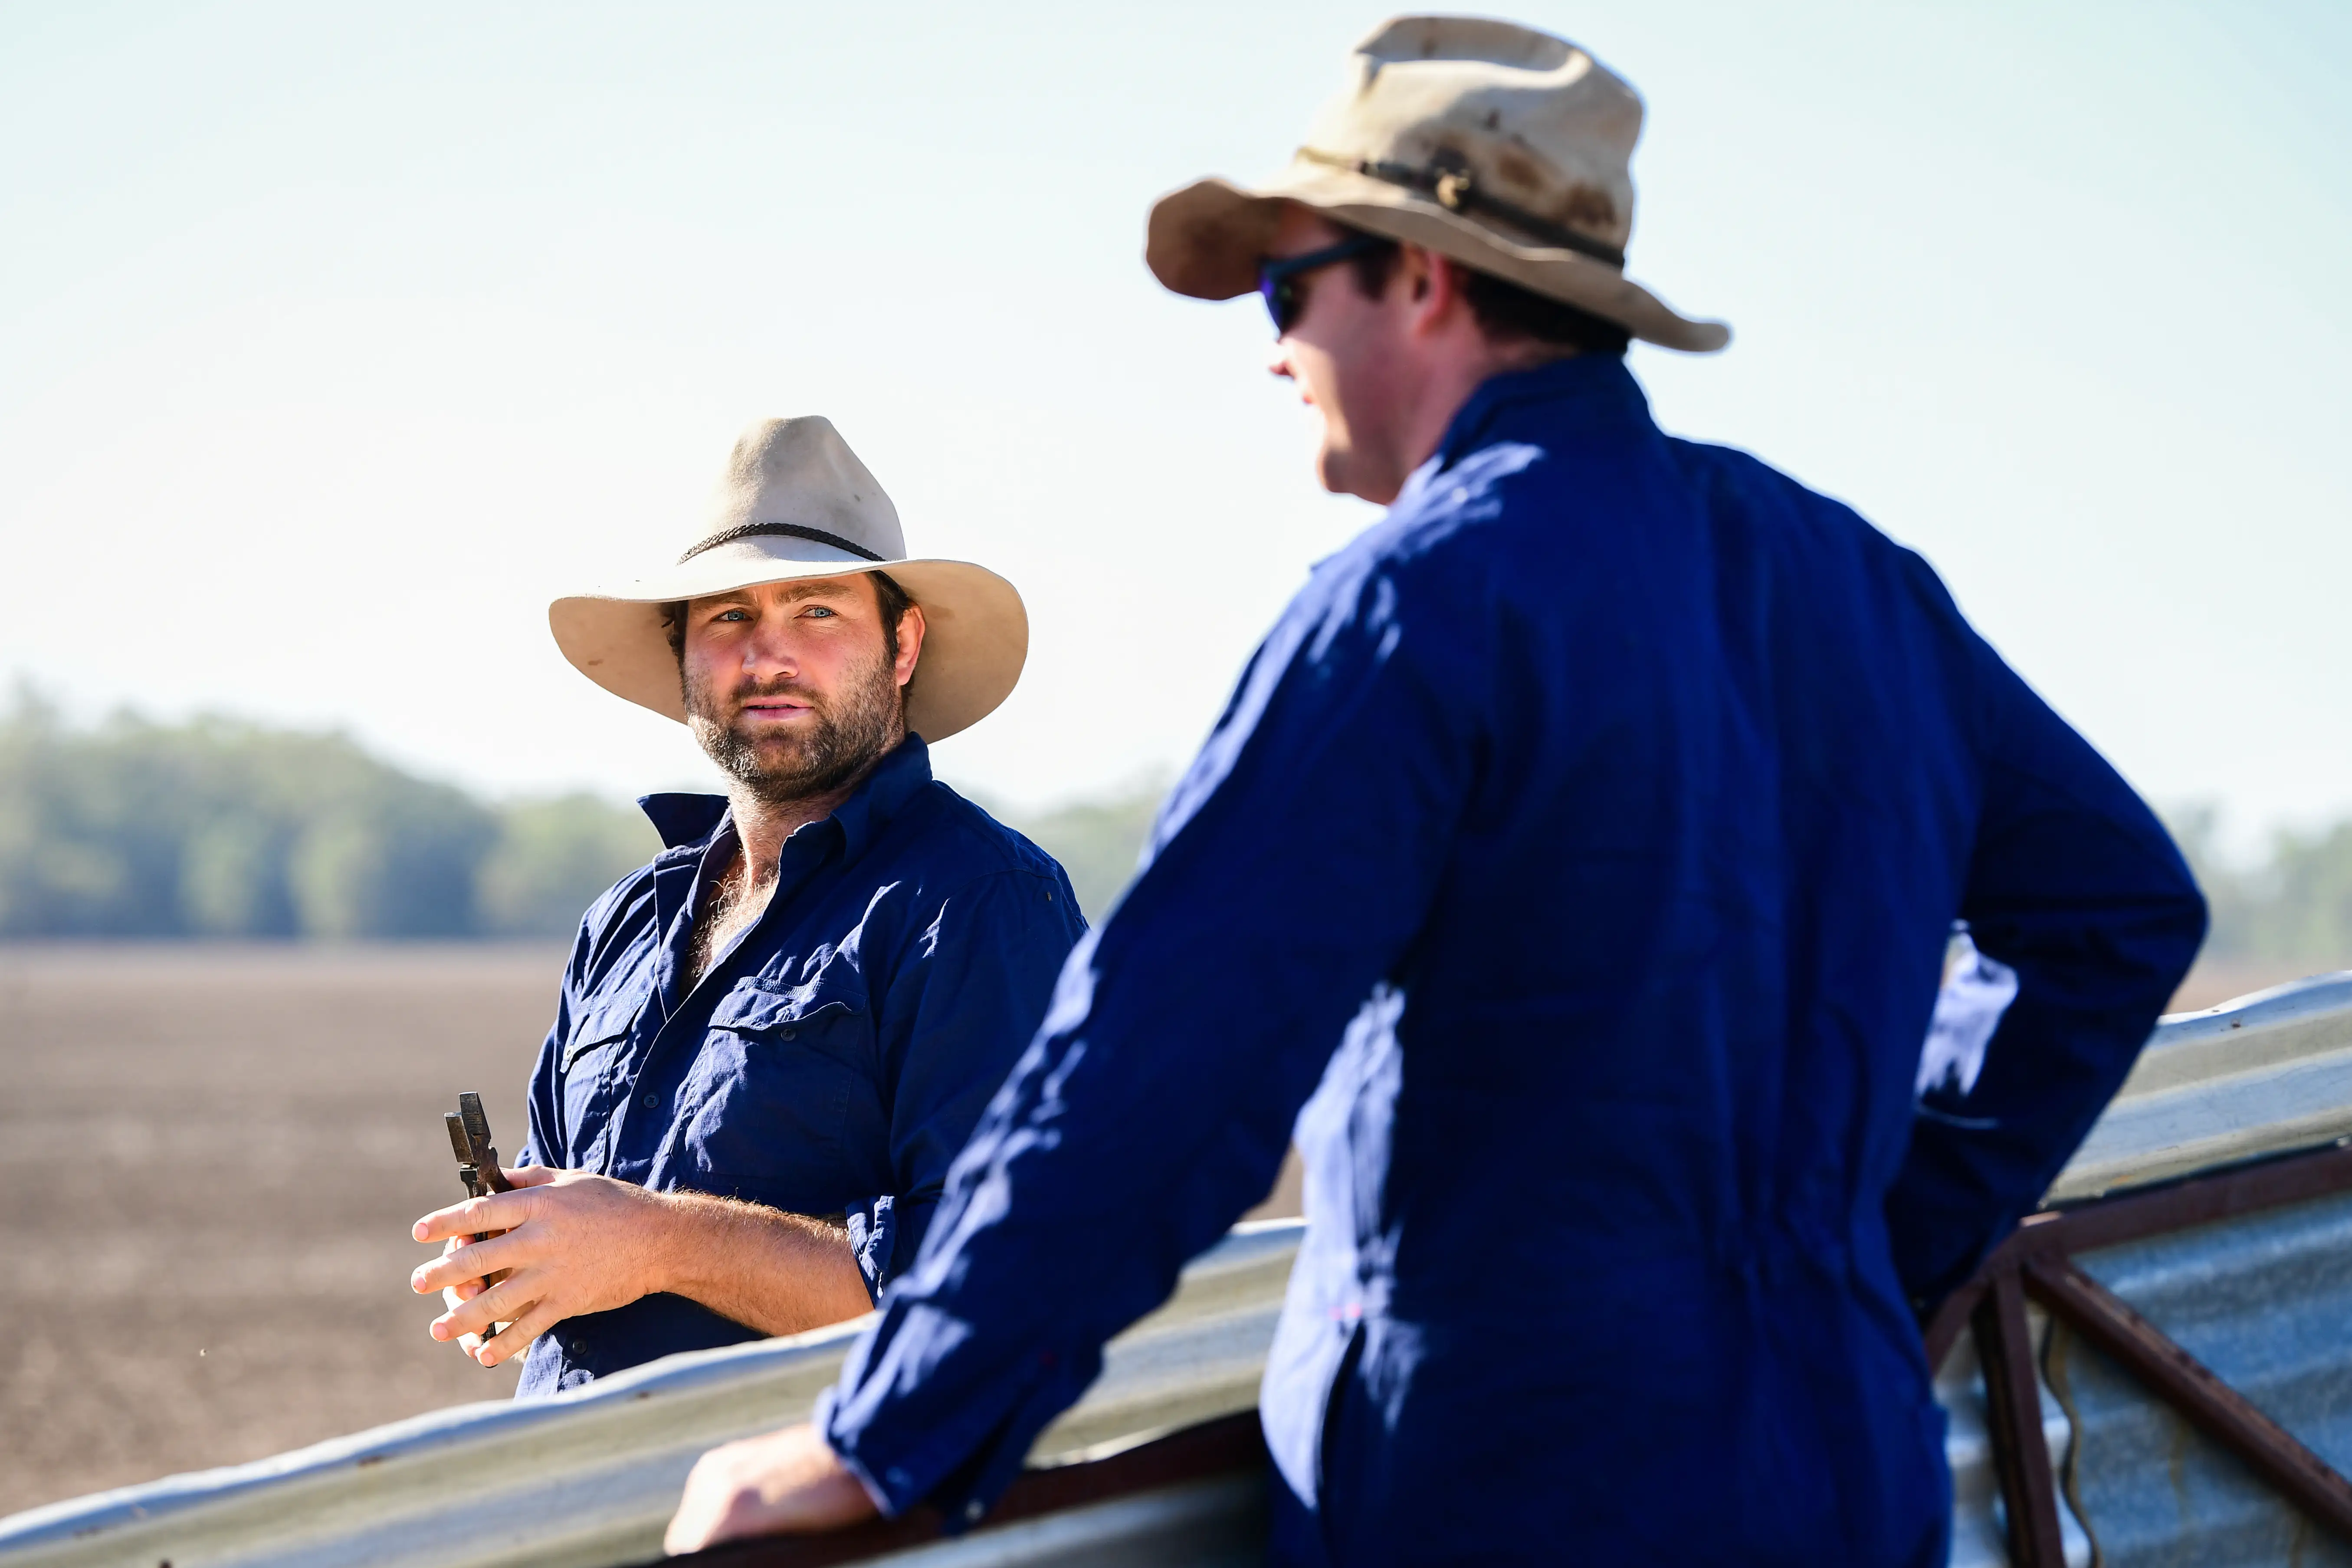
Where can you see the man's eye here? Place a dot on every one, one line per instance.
(819, 610)
(734, 616)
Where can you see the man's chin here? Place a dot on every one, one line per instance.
(770, 762)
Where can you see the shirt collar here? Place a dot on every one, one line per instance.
(684, 819)
(893, 782)
(1590, 388)
(688, 821)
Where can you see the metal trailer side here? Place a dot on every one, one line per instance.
(587, 1480)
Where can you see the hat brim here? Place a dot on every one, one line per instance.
(975, 629)
(1207, 240)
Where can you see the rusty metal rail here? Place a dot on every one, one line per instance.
(2037, 1263)
(1231, 1445)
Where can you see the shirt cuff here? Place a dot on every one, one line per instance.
(821, 1417)
(873, 1239)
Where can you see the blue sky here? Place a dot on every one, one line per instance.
(333, 342)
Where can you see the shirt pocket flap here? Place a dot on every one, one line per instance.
(601, 1027)
(772, 1007)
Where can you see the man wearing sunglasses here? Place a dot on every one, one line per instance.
(1574, 864)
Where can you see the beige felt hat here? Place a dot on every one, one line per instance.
(796, 503)
(1501, 147)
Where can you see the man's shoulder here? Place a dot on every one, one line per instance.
(959, 841)
(1444, 543)
(619, 908)
(683, 821)
(1506, 501)
(1810, 531)
(1446, 511)
(615, 926)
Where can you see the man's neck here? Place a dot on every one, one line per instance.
(762, 826)
(1448, 383)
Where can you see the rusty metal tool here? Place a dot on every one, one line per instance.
(478, 1162)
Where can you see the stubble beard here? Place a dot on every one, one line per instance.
(843, 735)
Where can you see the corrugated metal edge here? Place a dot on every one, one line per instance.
(2257, 1030)
(2207, 1090)
(590, 1476)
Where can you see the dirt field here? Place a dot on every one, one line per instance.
(210, 1158)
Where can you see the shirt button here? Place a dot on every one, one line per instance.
(785, 1033)
(652, 1100)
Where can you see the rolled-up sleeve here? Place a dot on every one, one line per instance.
(1288, 874)
(959, 1012)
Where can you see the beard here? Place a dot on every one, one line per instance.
(845, 733)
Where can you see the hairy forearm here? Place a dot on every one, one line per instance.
(779, 1273)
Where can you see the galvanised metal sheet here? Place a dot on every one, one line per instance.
(2265, 1073)
(2264, 1300)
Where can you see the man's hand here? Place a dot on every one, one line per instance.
(574, 1242)
(786, 1482)
(463, 1292)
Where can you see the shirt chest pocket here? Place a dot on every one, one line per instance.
(785, 1105)
(590, 1073)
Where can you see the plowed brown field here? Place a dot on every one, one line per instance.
(210, 1158)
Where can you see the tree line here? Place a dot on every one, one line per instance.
(2291, 908)
(220, 828)
(217, 827)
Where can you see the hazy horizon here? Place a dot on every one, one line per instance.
(334, 345)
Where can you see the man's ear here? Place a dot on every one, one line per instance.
(911, 643)
(1432, 287)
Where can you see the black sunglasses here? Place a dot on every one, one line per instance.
(1278, 276)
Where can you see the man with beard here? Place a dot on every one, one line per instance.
(772, 1040)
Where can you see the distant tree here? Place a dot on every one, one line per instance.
(216, 828)
(222, 828)
(2303, 912)
(2291, 909)
(2230, 934)
(551, 860)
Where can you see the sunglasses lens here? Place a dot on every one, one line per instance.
(1278, 294)
(1278, 281)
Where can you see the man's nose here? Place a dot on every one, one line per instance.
(769, 659)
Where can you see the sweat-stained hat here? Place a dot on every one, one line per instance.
(796, 503)
(1503, 148)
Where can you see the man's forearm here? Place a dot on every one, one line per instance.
(779, 1273)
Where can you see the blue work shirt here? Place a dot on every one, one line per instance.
(832, 1059)
(1589, 830)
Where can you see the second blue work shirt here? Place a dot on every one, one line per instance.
(1590, 830)
(834, 1057)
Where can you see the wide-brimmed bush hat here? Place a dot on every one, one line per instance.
(1503, 148)
(796, 503)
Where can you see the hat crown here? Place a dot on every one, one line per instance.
(1533, 119)
(800, 473)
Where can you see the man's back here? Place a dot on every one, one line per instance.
(1619, 1203)
(1636, 787)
